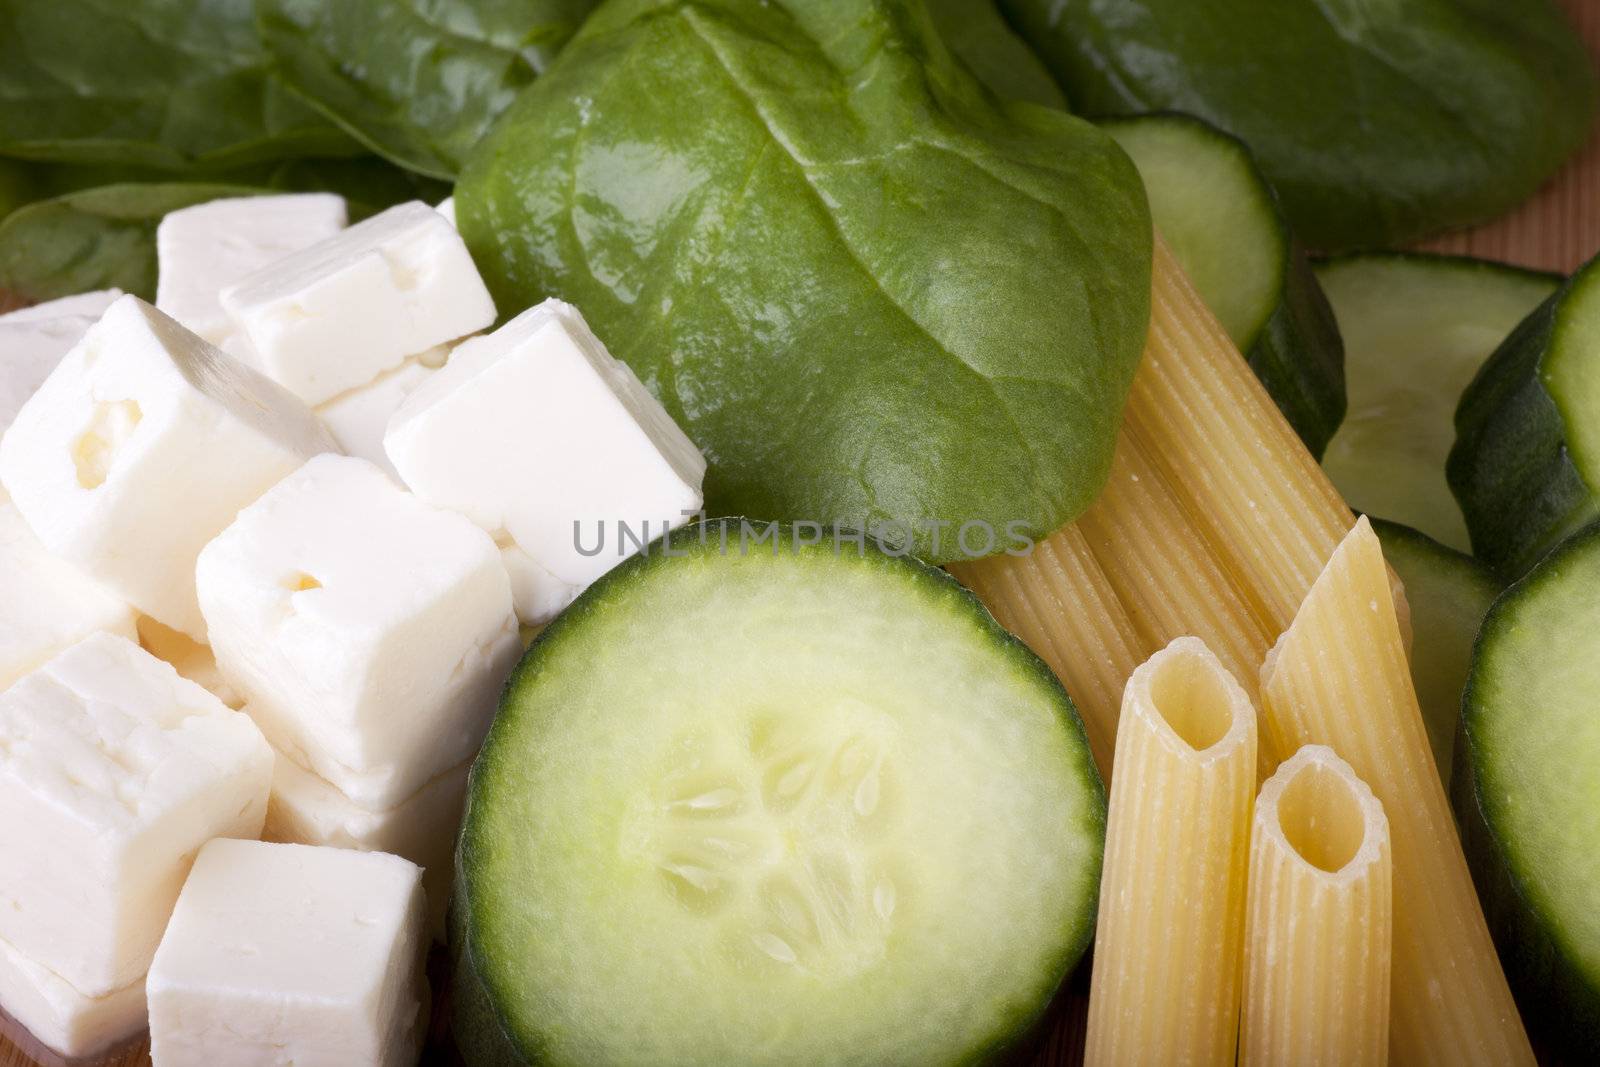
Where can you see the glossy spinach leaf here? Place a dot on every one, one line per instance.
(980, 38)
(167, 84)
(93, 239)
(418, 81)
(1377, 123)
(871, 291)
(17, 186)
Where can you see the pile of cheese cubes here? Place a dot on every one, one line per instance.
(264, 552)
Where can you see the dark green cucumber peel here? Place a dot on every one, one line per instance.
(1299, 357)
(1525, 462)
(1524, 786)
(1377, 123)
(521, 835)
(1224, 224)
(1448, 593)
(872, 292)
(1416, 329)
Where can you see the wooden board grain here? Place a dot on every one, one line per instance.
(1556, 230)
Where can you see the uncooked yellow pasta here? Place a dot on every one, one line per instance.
(1222, 545)
(1165, 985)
(1339, 677)
(1057, 600)
(1262, 501)
(1166, 578)
(1317, 925)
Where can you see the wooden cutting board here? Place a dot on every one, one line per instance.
(1557, 230)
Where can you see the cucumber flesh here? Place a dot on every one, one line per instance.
(1526, 459)
(1416, 329)
(786, 806)
(1448, 593)
(1527, 789)
(1224, 225)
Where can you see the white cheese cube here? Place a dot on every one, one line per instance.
(88, 306)
(307, 810)
(536, 433)
(539, 595)
(447, 208)
(141, 446)
(203, 249)
(45, 605)
(189, 658)
(358, 419)
(338, 314)
(33, 340)
(61, 1018)
(368, 632)
(113, 772)
(290, 954)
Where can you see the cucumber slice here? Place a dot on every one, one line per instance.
(1416, 329)
(1226, 228)
(796, 804)
(1527, 455)
(1448, 593)
(1527, 788)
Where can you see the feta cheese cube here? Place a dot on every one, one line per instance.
(33, 340)
(189, 658)
(291, 954)
(368, 632)
(141, 446)
(308, 810)
(61, 1018)
(88, 306)
(338, 314)
(538, 595)
(46, 605)
(113, 772)
(447, 208)
(201, 250)
(357, 419)
(536, 433)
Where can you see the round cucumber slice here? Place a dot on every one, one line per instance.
(1448, 594)
(1528, 787)
(774, 803)
(1526, 461)
(1225, 226)
(1416, 329)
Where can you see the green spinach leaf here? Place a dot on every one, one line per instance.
(871, 291)
(369, 183)
(419, 81)
(1377, 123)
(167, 84)
(981, 39)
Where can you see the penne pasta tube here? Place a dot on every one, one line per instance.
(1258, 496)
(1339, 677)
(1317, 922)
(1223, 545)
(1057, 600)
(1165, 984)
(1166, 577)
